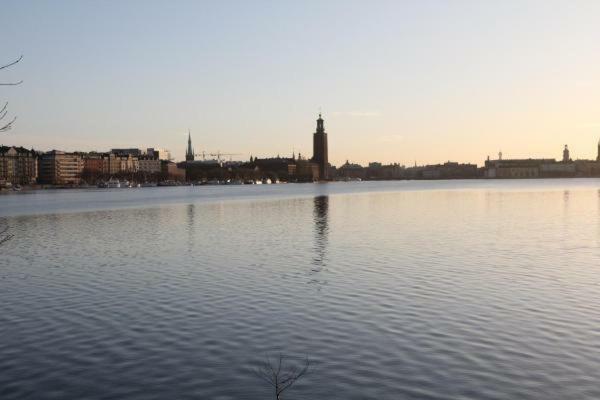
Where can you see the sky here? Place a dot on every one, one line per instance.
(397, 81)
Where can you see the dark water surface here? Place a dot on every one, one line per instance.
(395, 290)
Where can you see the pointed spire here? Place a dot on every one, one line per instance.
(189, 153)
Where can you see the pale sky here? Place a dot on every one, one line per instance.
(397, 81)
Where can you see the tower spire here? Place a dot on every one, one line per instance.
(320, 151)
(189, 153)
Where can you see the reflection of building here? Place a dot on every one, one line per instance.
(320, 151)
(18, 165)
(321, 220)
(60, 168)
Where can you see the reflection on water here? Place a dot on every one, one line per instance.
(191, 208)
(452, 293)
(321, 206)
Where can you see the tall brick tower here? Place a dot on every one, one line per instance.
(320, 152)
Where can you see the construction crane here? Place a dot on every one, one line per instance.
(203, 155)
(218, 154)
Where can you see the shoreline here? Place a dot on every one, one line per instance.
(38, 187)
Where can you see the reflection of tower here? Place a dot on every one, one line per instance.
(320, 152)
(320, 217)
(190, 226)
(566, 155)
(189, 153)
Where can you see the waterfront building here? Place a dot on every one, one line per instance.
(587, 168)
(320, 150)
(529, 168)
(198, 170)
(94, 162)
(113, 164)
(60, 168)
(558, 170)
(94, 166)
(173, 171)
(305, 171)
(18, 165)
(125, 152)
(351, 171)
(276, 167)
(160, 153)
(450, 170)
(539, 168)
(517, 168)
(377, 170)
(149, 164)
(128, 163)
(288, 169)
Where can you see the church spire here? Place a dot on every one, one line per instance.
(189, 153)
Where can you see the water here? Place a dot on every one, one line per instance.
(394, 290)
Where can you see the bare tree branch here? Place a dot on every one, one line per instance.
(281, 376)
(12, 63)
(4, 110)
(8, 126)
(11, 83)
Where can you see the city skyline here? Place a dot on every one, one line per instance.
(319, 153)
(424, 82)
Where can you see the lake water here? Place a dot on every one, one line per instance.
(394, 290)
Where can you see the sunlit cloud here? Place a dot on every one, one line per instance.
(357, 113)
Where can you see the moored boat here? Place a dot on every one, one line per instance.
(113, 184)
